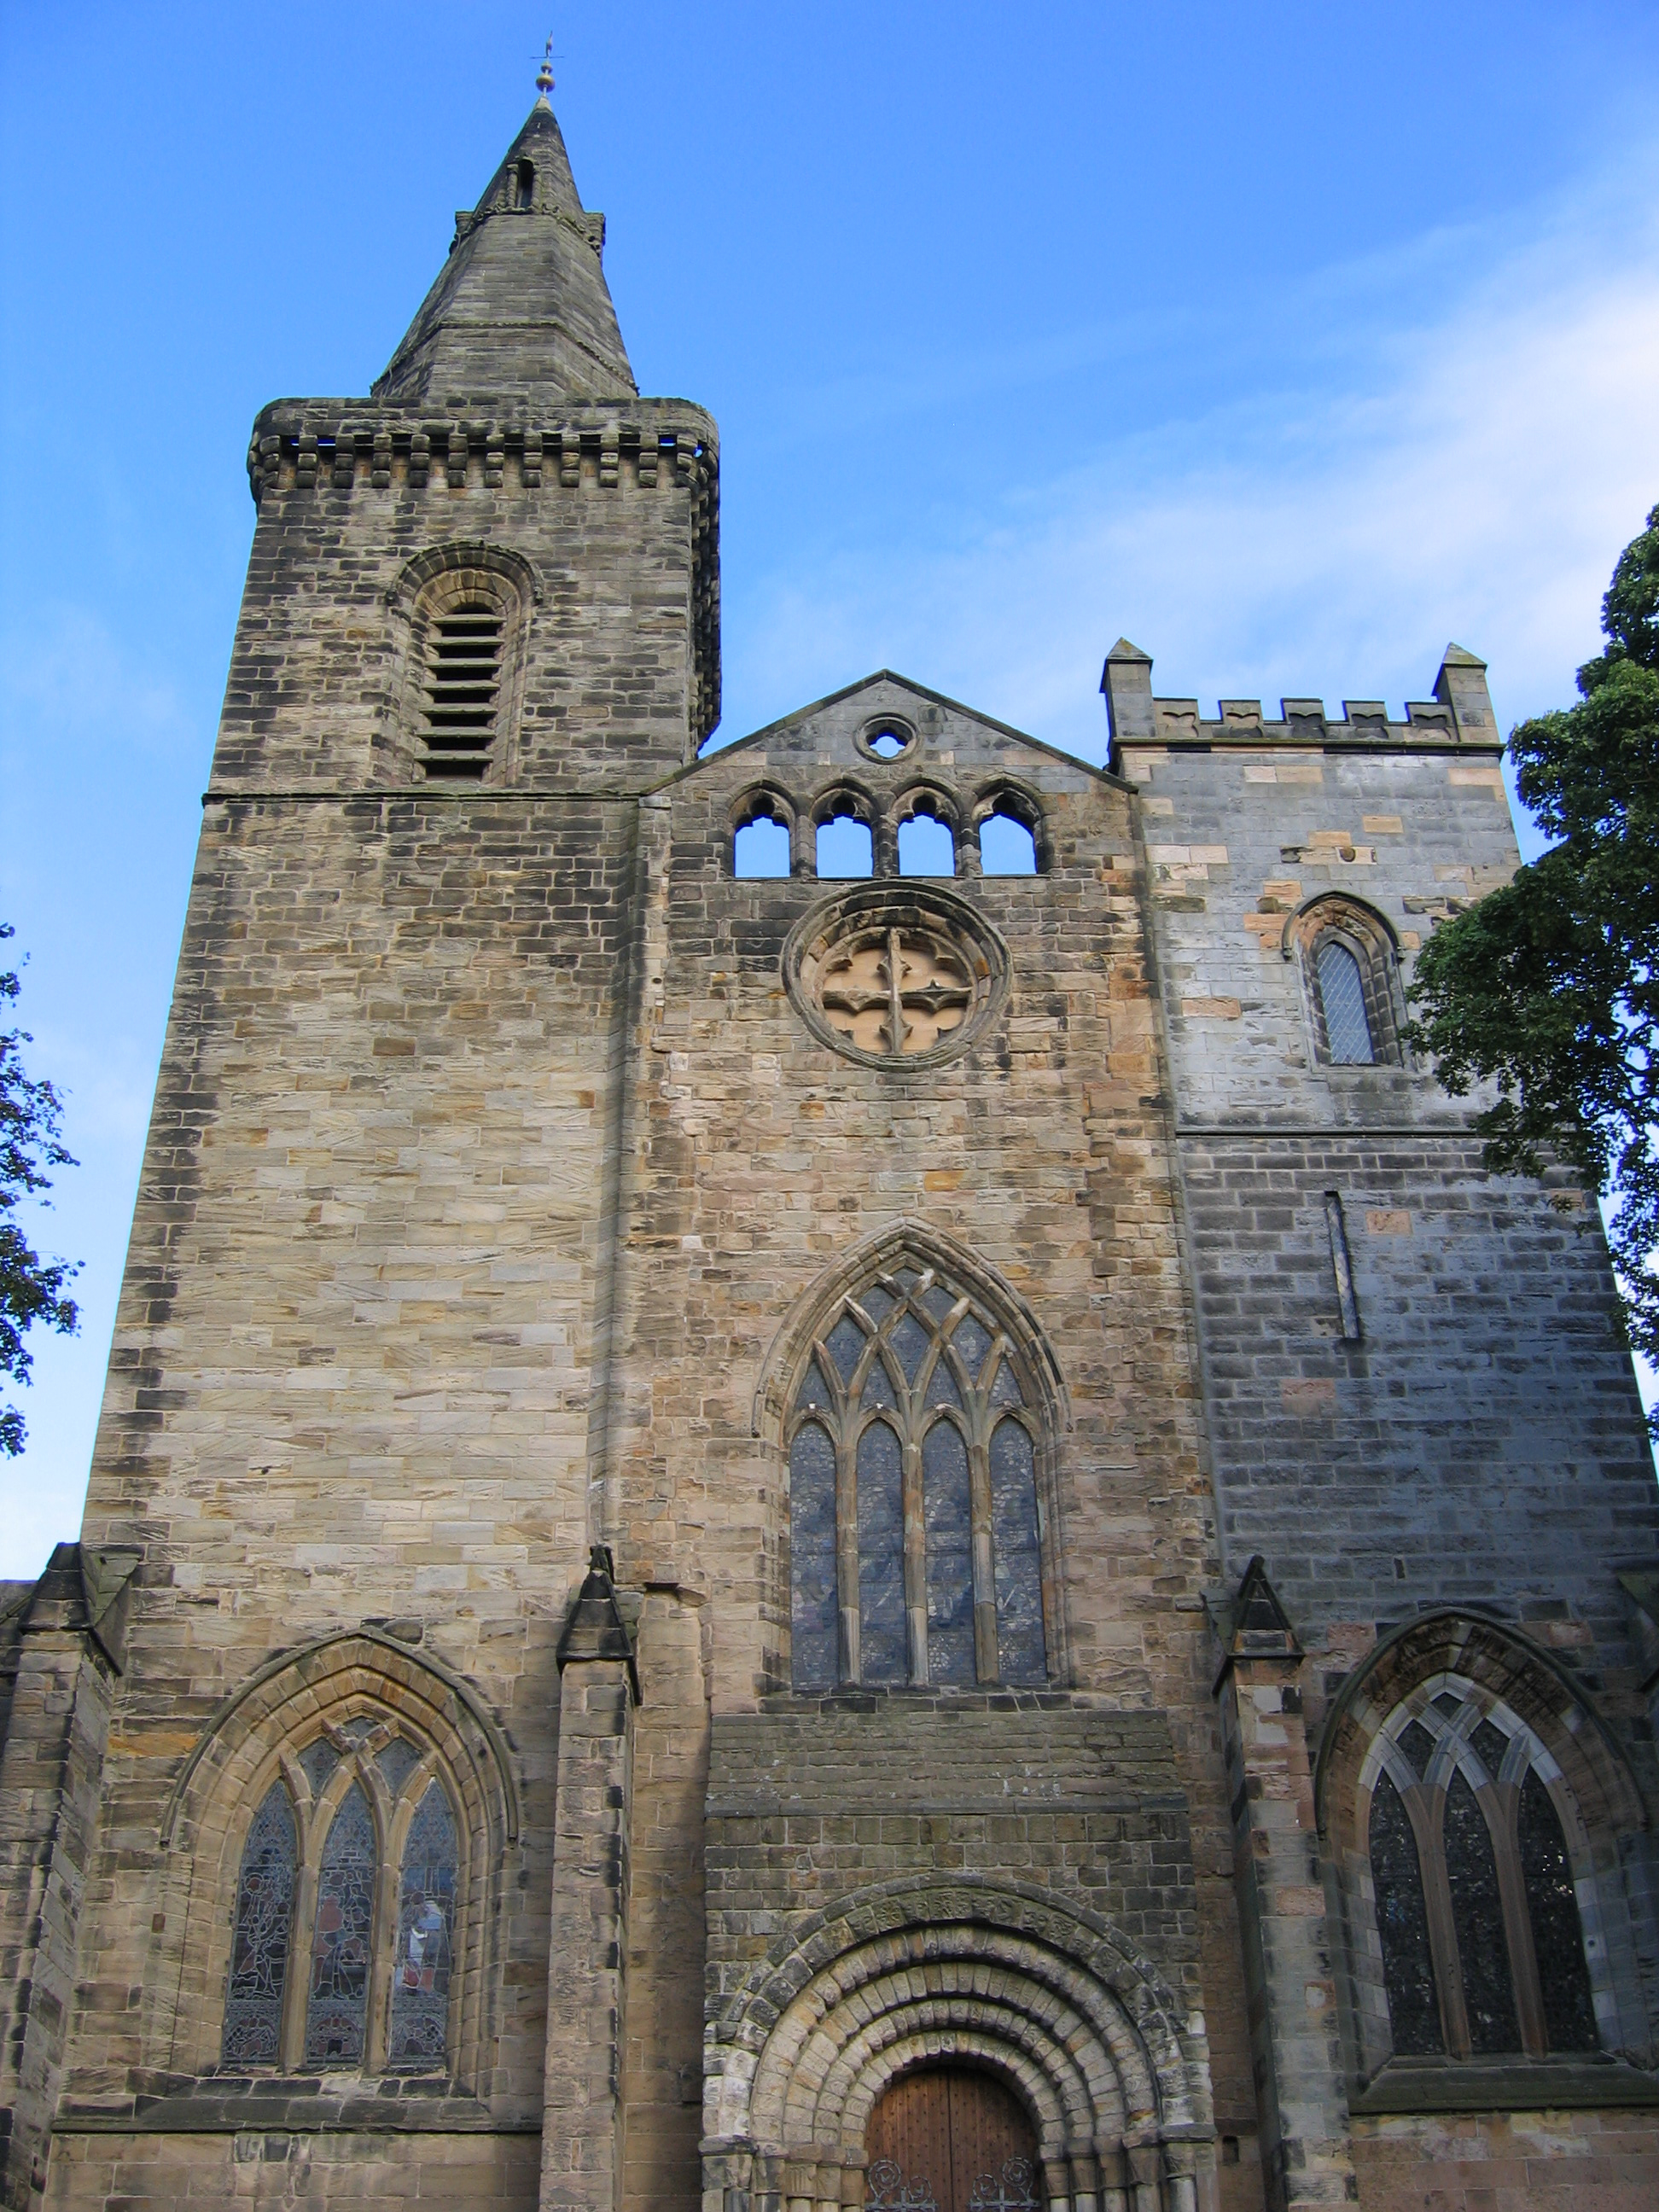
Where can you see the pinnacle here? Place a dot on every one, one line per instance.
(522, 304)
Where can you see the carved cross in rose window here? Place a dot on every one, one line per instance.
(898, 994)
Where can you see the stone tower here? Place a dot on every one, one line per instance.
(792, 1538)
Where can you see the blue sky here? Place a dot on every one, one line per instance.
(1290, 342)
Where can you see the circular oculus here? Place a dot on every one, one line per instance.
(896, 976)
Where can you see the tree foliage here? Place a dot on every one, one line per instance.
(31, 1288)
(1546, 987)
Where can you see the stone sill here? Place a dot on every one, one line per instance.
(1516, 2085)
(294, 2104)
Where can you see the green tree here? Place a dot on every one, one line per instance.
(1546, 987)
(31, 1288)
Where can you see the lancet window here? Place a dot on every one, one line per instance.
(1477, 1912)
(1351, 982)
(916, 1532)
(344, 1933)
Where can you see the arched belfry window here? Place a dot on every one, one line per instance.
(1478, 1916)
(1351, 991)
(467, 610)
(344, 1930)
(912, 1432)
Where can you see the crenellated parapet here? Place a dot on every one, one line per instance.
(1459, 715)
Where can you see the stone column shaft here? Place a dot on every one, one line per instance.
(1307, 2158)
(582, 2113)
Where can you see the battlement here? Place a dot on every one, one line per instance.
(297, 445)
(1459, 717)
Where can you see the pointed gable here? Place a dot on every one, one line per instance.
(522, 304)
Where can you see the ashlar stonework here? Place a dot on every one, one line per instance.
(722, 1493)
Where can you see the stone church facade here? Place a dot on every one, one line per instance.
(793, 1540)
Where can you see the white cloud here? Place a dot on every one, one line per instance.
(1473, 480)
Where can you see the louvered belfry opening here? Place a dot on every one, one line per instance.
(463, 689)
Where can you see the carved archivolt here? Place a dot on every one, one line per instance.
(1097, 2046)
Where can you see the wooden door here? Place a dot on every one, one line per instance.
(950, 2139)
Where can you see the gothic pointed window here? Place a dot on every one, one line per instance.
(1558, 1937)
(1351, 981)
(916, 1535)
(336, 2015)
(374, 1960)
(263, 1924)
(1342, 1000)
(426, 1927)
(1476, 1908)
(1402, 1925)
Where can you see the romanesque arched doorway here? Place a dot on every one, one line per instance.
(950, 2139)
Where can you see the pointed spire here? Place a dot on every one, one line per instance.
(522, 304)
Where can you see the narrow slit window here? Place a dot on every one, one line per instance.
(463, 691)
(426, 1929)
(336, 2015)
(525, 186)
(259, 1948)
(1342, 999)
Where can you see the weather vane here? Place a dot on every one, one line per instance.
(544, 74)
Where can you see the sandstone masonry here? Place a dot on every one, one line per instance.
(723, 1492)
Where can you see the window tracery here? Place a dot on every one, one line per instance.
(373, 1991)
(916, 1536)
(1477, 1917)
(265, 1915)
(426, 1928)
(1350, 979)
(342, 1935)
(1007, 821)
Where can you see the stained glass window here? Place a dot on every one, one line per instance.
(1342, 999)
(1492, 1747)
(949, 1519)
(259, 1947)
(812, 1555)
(340, 1945)
(1402, 1925)
(1478, 1916)
(1558, 1937)
(1498, 1844)
(317, 1762)
(396, 1761)
(426, 1928)
(895, 1426)
(1018, 1555)
(883, 1656)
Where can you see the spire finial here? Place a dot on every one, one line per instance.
(544, 74)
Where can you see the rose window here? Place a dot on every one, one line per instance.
(896, 976)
